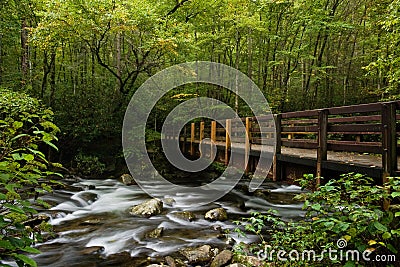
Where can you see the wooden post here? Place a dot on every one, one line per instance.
(322, 150)
(389, 140)
(277, 168)
(247, 145)
(213, 137)
(183, 147)
(201, 134)
(227, 140)
(192, 137)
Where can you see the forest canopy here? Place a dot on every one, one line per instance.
(85, 59)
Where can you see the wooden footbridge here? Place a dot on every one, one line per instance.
(358, 138)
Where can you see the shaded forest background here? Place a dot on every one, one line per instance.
(85, 59)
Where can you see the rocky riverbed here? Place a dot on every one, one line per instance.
(109, 223)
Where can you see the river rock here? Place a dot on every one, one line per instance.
(155, 233)
(218, 214)
(127, 179)
(169, 201)
(170, 261)
(185, 215)
(92, 250)
(201, 254)
(38, 219)
(89, 197)
(251, 261)
(222, 258)
(148, 208)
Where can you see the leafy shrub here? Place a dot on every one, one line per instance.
(26, 129)
(89, 165)
(348, 209)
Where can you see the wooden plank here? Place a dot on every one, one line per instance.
(299, 143)
(356, 128)
(290, 129)
(276, 166)
(389, 140)
(192, 138)
(213, 137)
(363, 108)
(370, 118)
(228, 140)
(322, 141)
(201, 134)
(350, 146)
(299, 114)
(302, 121)
(247, 145)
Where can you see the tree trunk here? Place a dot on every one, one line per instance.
(24, 51)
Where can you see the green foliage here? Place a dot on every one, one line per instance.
(26, 129)
(348, 208)
(89, 165)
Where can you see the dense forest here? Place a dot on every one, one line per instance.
(68, 69)
(85, 59)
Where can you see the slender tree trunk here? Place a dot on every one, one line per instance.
(1, 58)
(24, 51)
(237, 77)
(52, 77)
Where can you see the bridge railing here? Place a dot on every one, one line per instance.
(366, 128)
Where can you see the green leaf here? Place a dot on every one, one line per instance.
(349, 264)
(14, 208)
(380, 226)
(25, 259)
(395, 194)
(397, 214)
(316, 206)
(28, 157)
(5, 244)
(392, 248)
(51, 144)
(18, 124)
(19, 136)
(386, 235)
(17, 156)
(31, 250)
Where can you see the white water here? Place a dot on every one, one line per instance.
(118, 231)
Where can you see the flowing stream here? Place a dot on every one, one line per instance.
(94, 227)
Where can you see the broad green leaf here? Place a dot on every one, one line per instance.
(14, 208)
(25, 259)
(18, 124)
(316, 206)
(395, 194)
(28, 157)
(386, 235)
(6, 244)
(31, 250)
(380, 226)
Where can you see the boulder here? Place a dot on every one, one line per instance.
(222, 258)
(185, 215)
(127, 179)
(92, 250)
(148, 208)
(201, 254)
(218, 214)
(250, 260)
(170, 261)
(155, 233)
